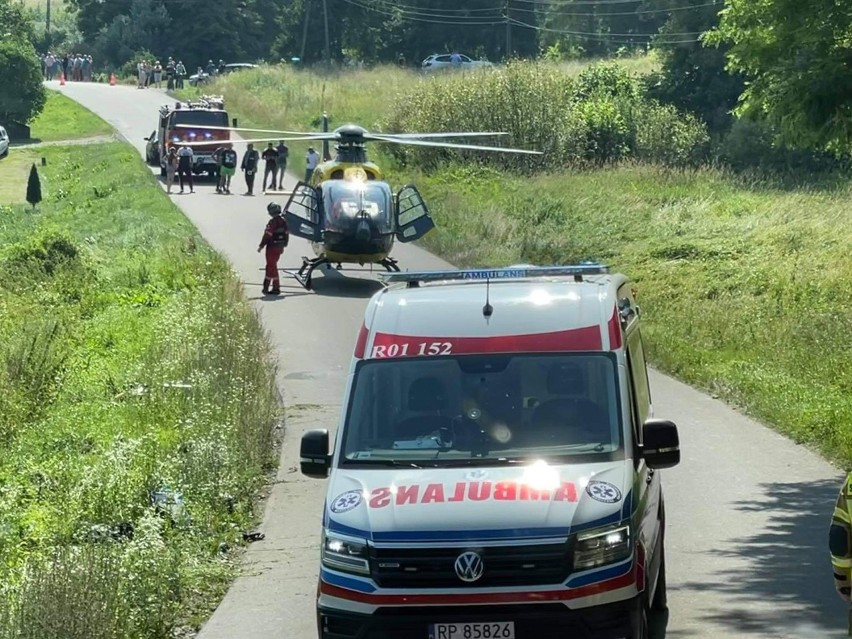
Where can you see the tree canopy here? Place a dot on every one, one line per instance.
(23, 95)
(797, 58)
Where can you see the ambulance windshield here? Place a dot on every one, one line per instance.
(447, 411)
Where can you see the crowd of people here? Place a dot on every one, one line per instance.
(74, 67)
(150, 74)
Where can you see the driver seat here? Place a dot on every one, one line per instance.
(568, 417)
(428, 397)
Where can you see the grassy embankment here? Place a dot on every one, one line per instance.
(62, 119)
(137, 406)
(744, 281)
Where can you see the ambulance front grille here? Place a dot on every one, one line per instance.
(531, 565)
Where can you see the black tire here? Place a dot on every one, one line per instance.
(641, 629)
(660, 602)
(162, 171)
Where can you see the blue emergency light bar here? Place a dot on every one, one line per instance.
(519, 272)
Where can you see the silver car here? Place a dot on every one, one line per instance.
(444, 62)
(4, 143)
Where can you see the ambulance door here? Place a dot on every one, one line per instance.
(302, 213)
(412, 217)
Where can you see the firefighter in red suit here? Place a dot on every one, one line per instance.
(275, 238)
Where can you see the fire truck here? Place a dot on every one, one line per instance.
(199, 115)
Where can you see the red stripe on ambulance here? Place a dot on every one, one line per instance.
(387, 345)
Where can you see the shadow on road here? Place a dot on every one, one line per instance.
(785, 565)
(334, 283)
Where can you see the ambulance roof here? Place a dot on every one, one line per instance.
(500, 310)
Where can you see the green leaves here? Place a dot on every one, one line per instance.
(798, 62)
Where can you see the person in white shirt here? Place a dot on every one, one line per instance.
(311, 161)
(185, 167)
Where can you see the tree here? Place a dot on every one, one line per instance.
(34, 187)
(693, 74)
(797, 58)
(23, 95)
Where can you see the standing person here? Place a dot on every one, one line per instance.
(140, 72)
(281, 163)
(270, 157)
(217, 158)
(170, 74)
(180, 74)
(171, 168)
(275, 238)
(158, 74)
(249, 167)
(229, 167)
(185, 167)
(311, 161)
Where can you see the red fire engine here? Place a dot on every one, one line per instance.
(207, 111)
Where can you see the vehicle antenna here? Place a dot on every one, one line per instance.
(487, 310)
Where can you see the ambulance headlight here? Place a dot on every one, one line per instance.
(601, 547)
(346, 554)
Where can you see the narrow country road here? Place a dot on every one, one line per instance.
(748, 510)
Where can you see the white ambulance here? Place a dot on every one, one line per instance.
(494, 472)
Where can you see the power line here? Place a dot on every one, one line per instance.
(608, 36)
(454, 21)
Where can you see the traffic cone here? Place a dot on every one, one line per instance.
(62, 79)
(112, 79)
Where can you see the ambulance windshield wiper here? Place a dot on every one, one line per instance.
(395, 463)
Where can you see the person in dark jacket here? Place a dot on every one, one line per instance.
(249, 167)
(275, 238)
(270, 158)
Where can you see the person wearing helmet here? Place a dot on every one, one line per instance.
(275, 238)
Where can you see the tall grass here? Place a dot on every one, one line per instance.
(137, 405)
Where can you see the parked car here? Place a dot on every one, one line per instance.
(202, 78)
(443, 62)
(152, 149)
(4, 143)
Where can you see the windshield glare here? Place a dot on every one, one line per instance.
(446, 411)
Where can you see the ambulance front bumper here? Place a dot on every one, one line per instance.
(531, 621)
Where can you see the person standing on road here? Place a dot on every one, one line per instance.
(171, 168)
(275, 238)
(281, 163)
(180, 74)
(270, 157)
(229, 167)
(249, 167)
(185, 167)
(311, 161)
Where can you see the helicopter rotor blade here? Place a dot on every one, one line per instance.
(237, 128)
(426, 136)
(451, 145)
(252, 141)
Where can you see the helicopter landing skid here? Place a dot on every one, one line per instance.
(303, 275)
(390, 265)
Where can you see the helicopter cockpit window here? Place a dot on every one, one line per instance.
(343, 202)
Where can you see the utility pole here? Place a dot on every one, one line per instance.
(508, 29)
(305, 32)
(327, 45)
(47, 23)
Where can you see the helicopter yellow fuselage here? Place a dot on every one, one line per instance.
(336, 170)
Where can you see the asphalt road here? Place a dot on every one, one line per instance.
(748, 510)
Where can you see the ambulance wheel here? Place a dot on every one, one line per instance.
(641, 629)
(660, 602)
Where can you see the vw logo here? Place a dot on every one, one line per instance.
(469, 567)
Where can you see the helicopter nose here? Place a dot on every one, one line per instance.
(362, 232)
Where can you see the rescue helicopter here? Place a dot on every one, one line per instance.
(347, 211)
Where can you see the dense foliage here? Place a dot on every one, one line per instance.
(22, 96)
(600, 117)
(797, 58)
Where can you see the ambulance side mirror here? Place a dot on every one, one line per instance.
(314, 458)
(660, 443)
